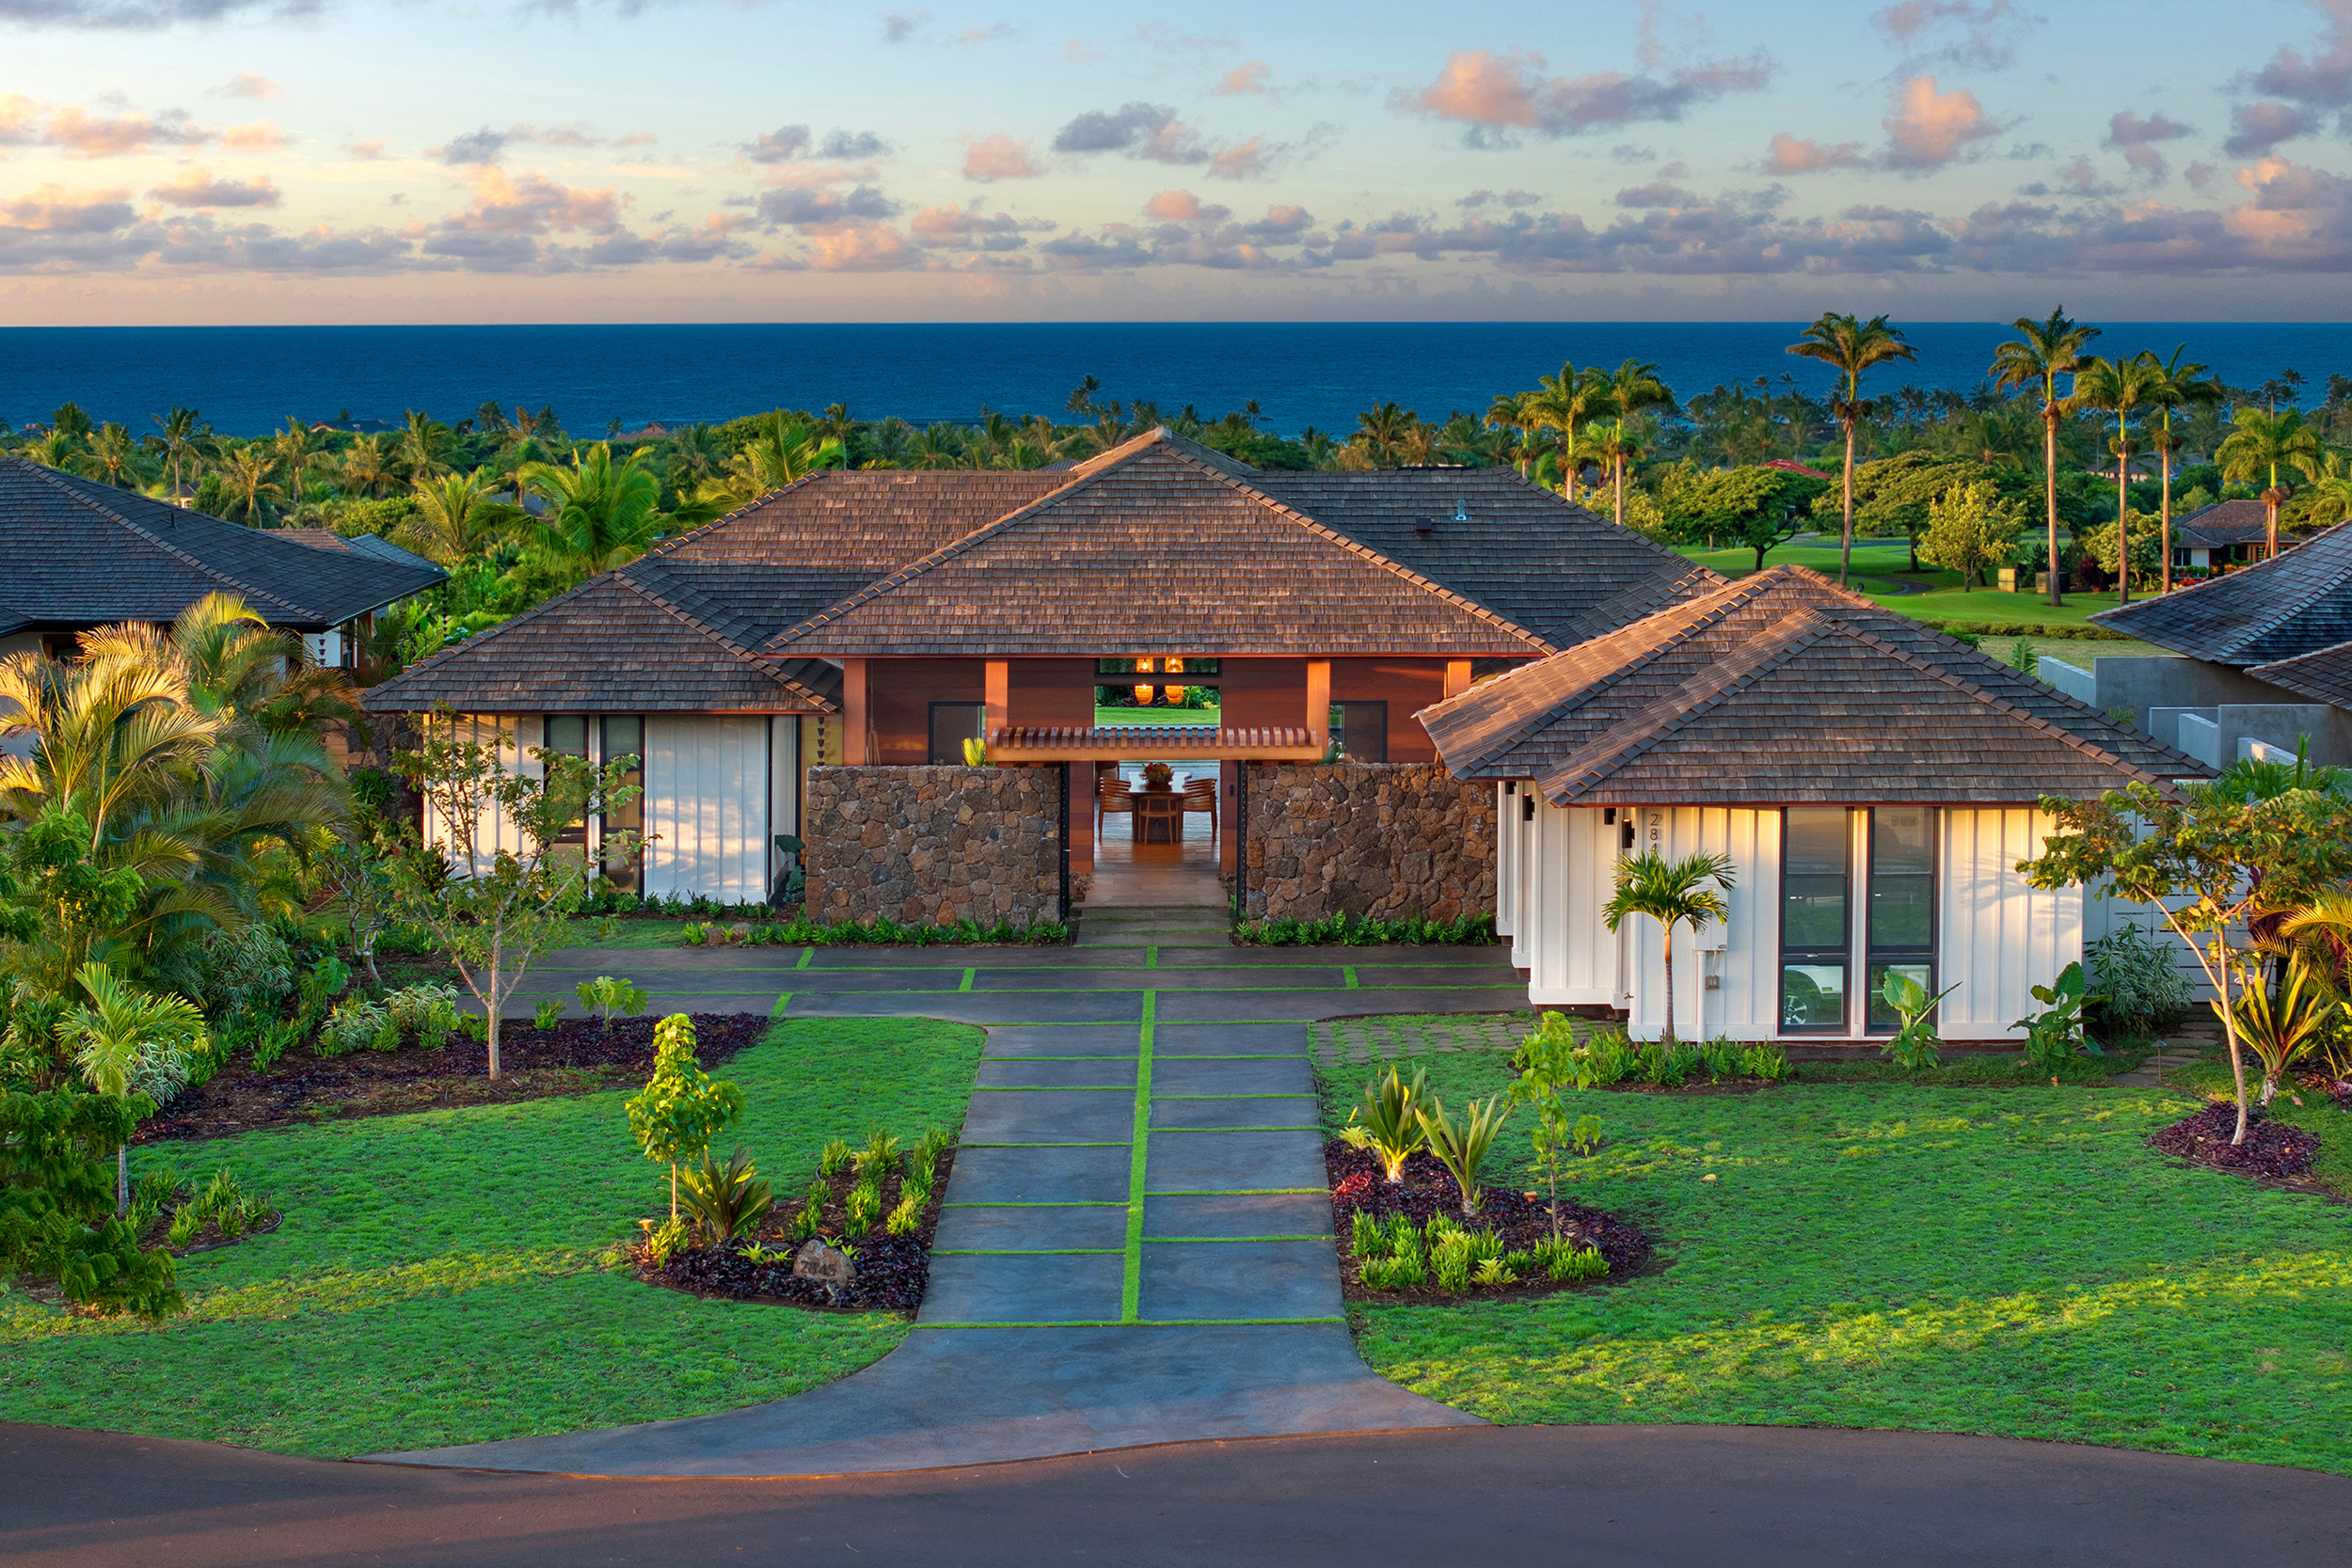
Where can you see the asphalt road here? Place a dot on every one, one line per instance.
(1507, 1495)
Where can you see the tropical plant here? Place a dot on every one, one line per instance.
(2041, 353)
(113, 457)
(1462, 1146)
(182, 440)
(364, 471)
(1673, 892)
(2262, 443)
(58, 1211)
(681, 1108)
(2178, 383)
(1632, 386)
(608, 998)
(602, 514)
(2282, 1028)
(725, 1202)
(1546, 1068)
(1850, 346)
(245, 478)
(494, 903)
(2119, 386)
(1562, 403)
(460, 515)
(781, 452)
(1388, 1123)
(2139, 984)
(127, 1045)
(1914, 1043)
(2056, 1033)
(419, 449)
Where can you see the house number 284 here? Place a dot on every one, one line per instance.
(1656, 833)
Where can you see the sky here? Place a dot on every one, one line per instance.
(202, 161)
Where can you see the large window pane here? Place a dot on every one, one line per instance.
(1901, 926)
(1813, 914)
(1812, 997)
(1902, 912)
(1815, 924)
(1883, 1014)
(952, 724)
(624, 740)
(1814, 840)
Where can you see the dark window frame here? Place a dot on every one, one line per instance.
(1927, 953)
(1822, 956)
(578, 831)
(627, 875)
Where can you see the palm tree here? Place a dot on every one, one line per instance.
(1616, 449)
(297, 450)
(1383, 431)
(2331, 491)
(54, 449)
(2176, 385)
(937, 446)
(114, 458)
(2262, 441)
(418, 453)
(1632, 386)
(364, 471)
(780, 452)
(459, 515)
(130, 1044)
(1508, 411)
(244, 475)
(604, 514)
(182, 441)
(2042, 352)
(1563, 402)
(2118, 387)
(1673, 892)
(71, 423)
(1850, 346)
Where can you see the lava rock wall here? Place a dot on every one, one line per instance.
(932, 846)
(1387, 839)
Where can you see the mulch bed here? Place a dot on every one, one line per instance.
(578, 1056)
(892, 1272)
(1521, 1220)
(2272, 1149)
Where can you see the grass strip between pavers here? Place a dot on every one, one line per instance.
(1024, 1251)
(1144, 1323)
(1097, 1143)
(1232, 1097)
(1042, 1203)
(1067, 1088)
(1156, 1131)
(1235, 1192)
(1131, 1280)
(965, 984)
(1193, 1241)
(806, 953)
(1350, 969)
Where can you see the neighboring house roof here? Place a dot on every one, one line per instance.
(1159, 543)
(2276, 610)
(78, 553)
(2324, 676)
(648, 657)
(1782, 687)
(2221, 525)
(363, 543)
(1790, 466)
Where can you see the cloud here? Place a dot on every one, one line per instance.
(369, 152)
(260, 137)
(1280, 222)
(783, 145)
(1962, 33)
(20, 121)
(1173, 206)
(804, 208)
(1243, 161)
(86, 135)
(1513, 198)
(145, 15)
(1657, 193)
(951, 226)
(247, 84)
(54, 209)
(788, 144)
(864, 249)
(898, 28)
(485, 146)
(1929, 129)
(2320, 81)
(532, 204)
(851, 145)
(1497, 94)
(636, 138)
(1128, 129)
(1247, 77)
(1789, 154)
(999, 157)
(194, 187)
(2137, 137)
(2261, 126)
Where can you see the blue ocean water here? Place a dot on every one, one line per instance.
(247, 379)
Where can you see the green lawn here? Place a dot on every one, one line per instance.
(1157, 715)
(2007, 1261)
(436, 1280)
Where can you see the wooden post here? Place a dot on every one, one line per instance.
(1457, 676)
(1319, 701)
(1081, 818)
(996, 691)
(853, 713)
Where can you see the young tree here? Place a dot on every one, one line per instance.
(1673, 892)
(1850, 346)
(2042, 352)
(1546, 1065)
(2211, 864)
(130, 1045)
(1969, 529)
(681, 1108)
(495, 900)
(57, 1211)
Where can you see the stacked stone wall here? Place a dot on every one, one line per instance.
(931, 846)
(1387, 839)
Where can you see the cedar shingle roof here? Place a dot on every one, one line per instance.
(2223, 523)
(1783, 687)
(2276, 610)
(1149, 547)
(77, 553)
(2324, 676)
(647, 657)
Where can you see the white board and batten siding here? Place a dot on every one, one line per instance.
(1741, 956)
(1996, 937)
(1570, 957)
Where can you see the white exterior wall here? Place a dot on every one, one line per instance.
(707, 806)
(514, 738)
(1996, 937)
(1507, 861)
(1571, 957)
(1743, 956)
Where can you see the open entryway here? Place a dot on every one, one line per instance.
(1156, 842)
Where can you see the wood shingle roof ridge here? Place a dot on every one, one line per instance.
(2152, 618)
(482, 636)
(1116, 461)
(666, 546)
(1611, 658)
(1707, 688)
(81, 497)
(766, 670)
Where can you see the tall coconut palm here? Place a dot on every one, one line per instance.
(781, 452)
(113, 457)
(1850, 346)
(1688, 892)
(2119, 386)
(1633, 387)
(1383, 430)
(54, 449)
(603, 512)
(2263, 442)
(364, 470)
(71, 423)
(128, 1043)
(2041, 353)
(182, 440)
(1562, 403)
(1508, 412)
(2331, 491)
(245, 477)
(297, 449)
(419, 453)
(2178, 385)
(459, 517)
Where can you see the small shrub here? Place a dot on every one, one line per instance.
(879, 1153)
(355, 1023)
(837, 1158)
(1462, 1146)
(548, 1015)
(810, 1220)
(724, 1202)
(1565, 1260)
(1494, 1270)
(2056, 1033)
(423, 1013)
(692, 935)
(1405, 1272)
(1366, 1239)
(2139, 989)
(1915, 1045)
(185, 1225)
(1721, 1058)
(905, 1217)
(608, 998)
(1767, 1061)
(1391, 1123)
(1450, 1263)
(271, 1041)
(665, 1241)
(1606, 1058)
(323, 982)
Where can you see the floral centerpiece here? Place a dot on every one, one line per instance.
(1157, 775)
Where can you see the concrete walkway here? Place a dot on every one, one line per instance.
(1135, 1247)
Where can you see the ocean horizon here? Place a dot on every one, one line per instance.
(247, 380)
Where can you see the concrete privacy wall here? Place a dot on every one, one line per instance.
(930, 845)
(1386, 839)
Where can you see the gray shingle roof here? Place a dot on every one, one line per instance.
(2223, 523)
(2276, 610)
(2324, 676)
(1783, 687)
(77, 553)
(648, 657)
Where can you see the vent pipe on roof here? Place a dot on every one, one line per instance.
(1461, 510)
